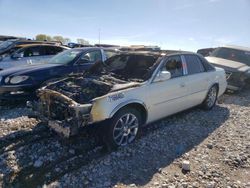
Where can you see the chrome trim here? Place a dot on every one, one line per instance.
(184, 65)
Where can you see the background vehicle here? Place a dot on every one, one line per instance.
(5, 37)
(30, 54)
(9, 46)
(131, 90)
(236, 62)
(205, 51)
(76, 45)
(21, 82)
(141, 48)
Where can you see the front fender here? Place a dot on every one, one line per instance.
(123, 104)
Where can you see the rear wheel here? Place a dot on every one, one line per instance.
(211, 98)
(123, 128)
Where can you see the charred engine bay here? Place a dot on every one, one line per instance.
(120, 72)
(83, 89)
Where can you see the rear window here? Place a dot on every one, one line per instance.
(194, 64)
(232, 54)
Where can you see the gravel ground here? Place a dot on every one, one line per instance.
(194, 148)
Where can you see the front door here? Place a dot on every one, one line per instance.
(168, 97)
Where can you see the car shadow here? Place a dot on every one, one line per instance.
(166, 141)
(39, 157)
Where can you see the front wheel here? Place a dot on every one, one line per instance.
(211, 98)
(123, 128)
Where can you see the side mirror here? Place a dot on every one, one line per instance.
(162, 76)
(16, 56)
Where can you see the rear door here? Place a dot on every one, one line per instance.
(197, 79)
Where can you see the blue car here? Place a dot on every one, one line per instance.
(21, 82)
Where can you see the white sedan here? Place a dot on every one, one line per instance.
(128, 91)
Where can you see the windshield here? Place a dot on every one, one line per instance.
(232, 54)
(5, 44)
(132, 66)
(65, 57)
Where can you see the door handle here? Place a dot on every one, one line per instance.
(182, 84)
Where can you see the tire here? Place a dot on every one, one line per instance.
(118, 133)
(211, 98)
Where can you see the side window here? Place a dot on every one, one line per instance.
(174, 66)
(52, 50)
(31, 51)
(93, 56)
(109, 53)
(194, 64)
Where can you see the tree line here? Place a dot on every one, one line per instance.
(64, 40)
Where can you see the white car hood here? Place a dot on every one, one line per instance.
(228, 64)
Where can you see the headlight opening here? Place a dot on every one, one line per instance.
(18, 79)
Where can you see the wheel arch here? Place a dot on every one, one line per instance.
(215, 84)
(137, 104)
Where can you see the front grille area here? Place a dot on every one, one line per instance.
(55, 109)
(236, 79)
(228, 74)
(58, 110)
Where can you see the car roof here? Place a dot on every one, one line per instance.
(96, 48)
(160, 53)
(40, 44)
(237, 47)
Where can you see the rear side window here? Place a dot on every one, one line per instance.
(52, 50)
(206, 64)
(194, 64)
(174, 66)
(32, 51)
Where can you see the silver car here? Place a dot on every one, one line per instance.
(30, 54)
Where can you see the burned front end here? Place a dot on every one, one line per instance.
(66, 105)
(62, 114)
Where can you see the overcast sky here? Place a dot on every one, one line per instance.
(179, 24)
